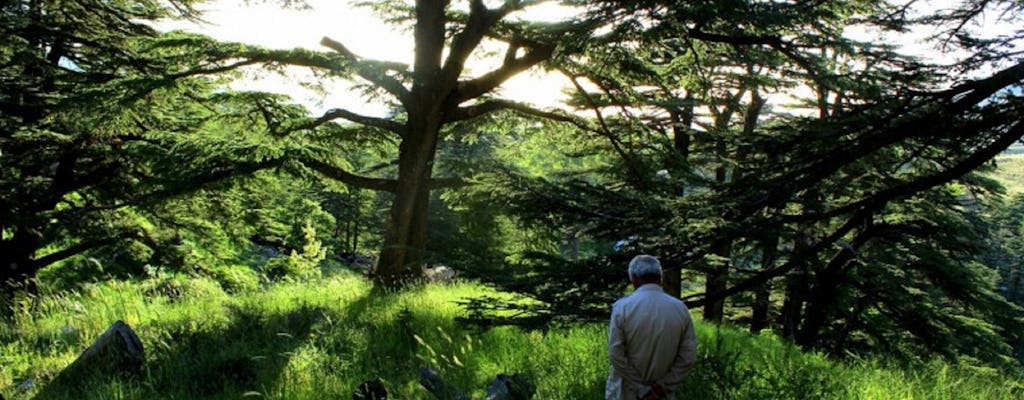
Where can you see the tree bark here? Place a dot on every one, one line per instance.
(17, 265)
(762, 295)
(716, 281)
(822, 297)
(793, 305)
(404, 245)
(672, 280)
(759, 311)
(717, 278)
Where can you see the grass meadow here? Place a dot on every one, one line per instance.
(319, 340)
(1010, 171)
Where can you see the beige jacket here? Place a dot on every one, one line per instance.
(650, 340)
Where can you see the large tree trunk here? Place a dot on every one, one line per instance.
(717, 278)
(716, 281)
(401, 257)
(762, 295)
(672, 280)
(822, 297)
(793, 305)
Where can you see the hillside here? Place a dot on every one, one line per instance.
(319, 340)
(1010, 170)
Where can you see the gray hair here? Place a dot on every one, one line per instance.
(644, 267)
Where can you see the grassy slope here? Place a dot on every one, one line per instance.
(1010, 171)
(320, 340)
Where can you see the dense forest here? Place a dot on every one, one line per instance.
(800, 173)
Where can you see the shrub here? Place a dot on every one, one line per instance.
(298, 266)
(235, 278)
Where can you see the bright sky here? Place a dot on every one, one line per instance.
(267, 24)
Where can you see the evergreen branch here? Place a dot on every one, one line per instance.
(188, 185)
(605, 129)
(77, 249)
(485, 83)
(798, 257)
(866, 207)
(372, 71)
(976, 159)
(927, 125)
(336, 113)
(341, 175)
(211, 70)
(495, 105)
(774, 42)
(480, 23)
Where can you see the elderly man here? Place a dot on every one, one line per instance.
(652, 345)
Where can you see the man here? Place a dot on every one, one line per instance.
(652, 345)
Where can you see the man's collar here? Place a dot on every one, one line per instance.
(650, 287)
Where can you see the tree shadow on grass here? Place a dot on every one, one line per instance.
(185, 362)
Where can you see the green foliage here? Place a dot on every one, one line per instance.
(301, 266)
(235, 278)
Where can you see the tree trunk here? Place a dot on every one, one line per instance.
(762, 295)
(672, 280)
(793, 305)
(822, 297)
(759, 311)
(717, 278)
(17, 265)
(716, 281)
(403, 251)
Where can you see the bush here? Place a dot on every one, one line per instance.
(298, 266)
(180, 286)
(235, 278)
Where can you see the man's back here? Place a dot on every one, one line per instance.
(651, 341)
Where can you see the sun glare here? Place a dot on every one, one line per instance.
(268, 24)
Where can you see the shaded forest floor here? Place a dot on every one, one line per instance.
(319, 340)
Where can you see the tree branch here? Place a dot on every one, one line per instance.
(494, 105)
(907, 189)
(74, 250)
(700, 299)
(372, 71)
(485, 83)
(336, 113)
(480, 22)
(348, 178)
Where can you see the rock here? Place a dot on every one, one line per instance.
(439, 273)
(503, 387)
(116, 351)
(371, 390)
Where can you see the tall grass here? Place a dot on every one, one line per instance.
(319, 340)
